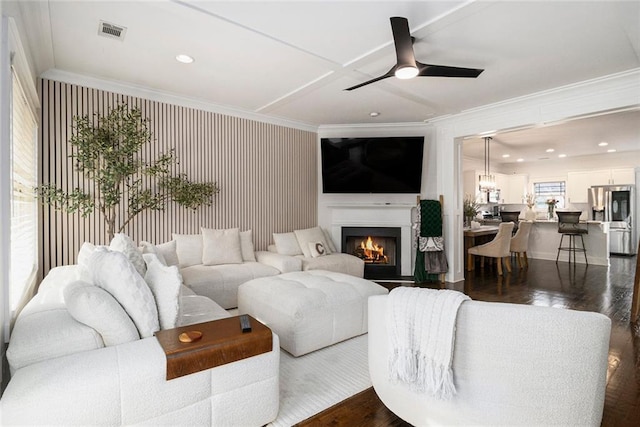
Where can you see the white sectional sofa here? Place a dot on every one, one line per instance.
(82, 352)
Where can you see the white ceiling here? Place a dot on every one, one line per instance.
(292, 60)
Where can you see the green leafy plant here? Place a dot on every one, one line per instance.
(470, 206)
(107, 150)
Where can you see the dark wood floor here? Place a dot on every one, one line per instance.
(577, 287)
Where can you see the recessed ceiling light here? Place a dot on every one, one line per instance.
(520, 160)
(185, 59)
(562, 156)
(603, 144)
(550, 150)
(611, 150)
(374, 114)
(505, 156)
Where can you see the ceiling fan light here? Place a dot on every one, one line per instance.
(406, 72)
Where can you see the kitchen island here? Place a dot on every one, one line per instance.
(545, 239)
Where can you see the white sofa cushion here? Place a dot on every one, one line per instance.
(246, 245)
(221, 246)
(123, 243)
(150, 248)
(310, 235)
(168, 250)
(317, 249)
(165, 283)
(287, 244)
(220, 282)
(338, 262)
(96, 308)
(113, 272)
(47, 334)
(189, 249)
(329, 240)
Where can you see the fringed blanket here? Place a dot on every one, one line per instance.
(421, 338)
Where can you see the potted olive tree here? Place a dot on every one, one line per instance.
(107, 150)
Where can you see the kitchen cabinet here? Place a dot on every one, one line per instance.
(513, 189)
(578, 183)
(622, 176)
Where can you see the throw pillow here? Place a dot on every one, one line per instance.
(287, 244)
(123, 243)
(84, 255)
(96, 308)
(317, 249)
(329, 240)
(169, 252)
(221, 246)
(150, 248)
(312, 235)
(189, 249)
(164, 282)
(113, 272)
(246, 246)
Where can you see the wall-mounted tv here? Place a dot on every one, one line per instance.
(372, 165)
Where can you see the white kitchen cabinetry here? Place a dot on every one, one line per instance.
(513, 189)
(578, 183)
(623, 176)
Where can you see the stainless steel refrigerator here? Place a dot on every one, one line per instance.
(615, 204)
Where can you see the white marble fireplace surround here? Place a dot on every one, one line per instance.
(377, 215)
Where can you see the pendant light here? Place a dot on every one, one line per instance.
(487, 181)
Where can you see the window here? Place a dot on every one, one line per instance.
(23, 261)
(545, 191)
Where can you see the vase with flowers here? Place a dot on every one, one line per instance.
(551, 208)
(530, 213)
(470, 209)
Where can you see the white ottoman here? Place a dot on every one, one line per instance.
(309, 310)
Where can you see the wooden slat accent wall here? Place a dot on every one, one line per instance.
(266, 173)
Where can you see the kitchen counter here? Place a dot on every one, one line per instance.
(545, 239)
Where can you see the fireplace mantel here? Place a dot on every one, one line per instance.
(377, 215)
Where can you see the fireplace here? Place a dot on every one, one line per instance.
(378, 247)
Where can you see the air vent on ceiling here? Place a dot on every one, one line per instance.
(111, 31)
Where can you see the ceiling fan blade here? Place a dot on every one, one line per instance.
(429, 70)
(377, 79)
(402, 40)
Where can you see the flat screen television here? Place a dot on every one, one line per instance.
(372, 165)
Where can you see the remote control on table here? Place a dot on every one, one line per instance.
(245, 324)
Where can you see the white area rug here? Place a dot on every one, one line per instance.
(316, 381)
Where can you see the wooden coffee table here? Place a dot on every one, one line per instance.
(222, 342)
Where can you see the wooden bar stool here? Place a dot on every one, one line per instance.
(569, 225)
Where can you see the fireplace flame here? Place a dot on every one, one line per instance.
(372, 252)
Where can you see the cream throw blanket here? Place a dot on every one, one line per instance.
(421, 338)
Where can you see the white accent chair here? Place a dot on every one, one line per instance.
(497, 248)
(512, 364)
(520, 243)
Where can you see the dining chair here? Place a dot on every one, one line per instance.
(497, 248)
(520, 242)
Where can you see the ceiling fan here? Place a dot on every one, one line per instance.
(407, 67)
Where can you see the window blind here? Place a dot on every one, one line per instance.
(549, 190)
(23, 260)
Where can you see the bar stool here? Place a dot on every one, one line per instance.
(568, 225)
(511, 216)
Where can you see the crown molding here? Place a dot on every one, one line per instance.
(170, 98)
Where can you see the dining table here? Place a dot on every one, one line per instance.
(477, 236)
